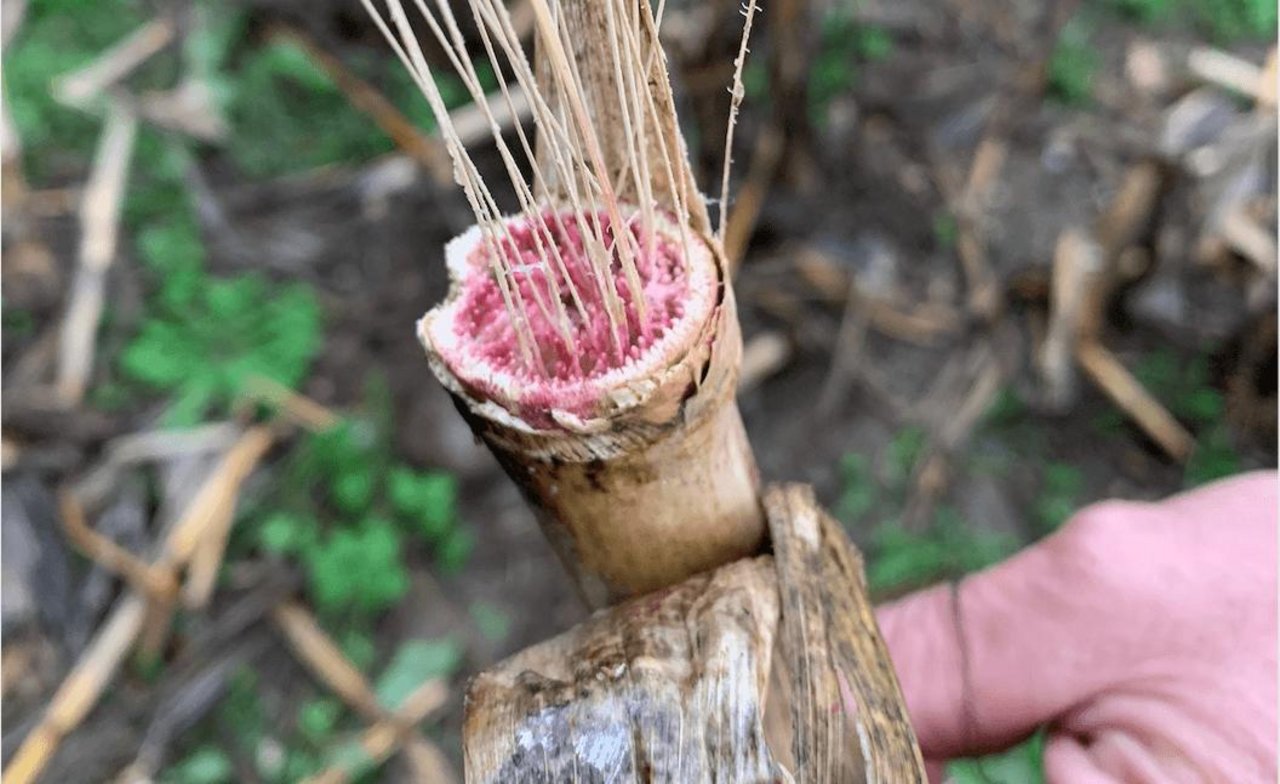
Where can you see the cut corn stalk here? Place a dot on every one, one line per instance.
(591, 338)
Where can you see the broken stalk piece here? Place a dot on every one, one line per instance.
(637, 466)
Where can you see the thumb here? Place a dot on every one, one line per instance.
(985, 662)
(1067, 760)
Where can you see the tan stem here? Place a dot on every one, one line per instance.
(655, 489)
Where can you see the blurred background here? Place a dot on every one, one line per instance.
(995, 259)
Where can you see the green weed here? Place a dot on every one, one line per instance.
(203, 337)
(1183, 385)
(358, 646)
(359, 568)
(16, 322)
(57, 37)
(230, 331)
(278, 97)
(415, 663)
(843, 46)
(1215, 458)
(1233, 20)
(949, 548)
(904, 451)
(945, 230)
(859, 493)
(1144, 11)
(318, 718)
(345, 509)
(900, 559)
(205, 765)
(755, 81)
(1227, 21)
(1072, 65)
(1008, 409)
(1108, 422)
(1061, 488)
(1022, 764)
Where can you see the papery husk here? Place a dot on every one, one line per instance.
(769, 669)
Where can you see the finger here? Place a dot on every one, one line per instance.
(1013, 646)
(1067, 761)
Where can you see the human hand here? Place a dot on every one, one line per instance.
(1144, 634)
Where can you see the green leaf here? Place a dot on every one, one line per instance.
(453, 551)
(282, 533)
(205, 765)
(902, 454)
(358, 569)
(242, 709)
(873, 43)
(207, 337)
(1145, 11)
(279, 97)
(17, 321)
(56, 38)
(353, 491)
(337, 450)
(1022, 764)
(1235, 20)
(1203, 406)
(950, 547)
(844, 44)
(317, 718)
(1108, 422)
(1007, 408)
(428, 500)
(172, 245)
(1214, 458)
(414, 663)
(299, 765)
(1072, 64)
(359, 649)
(1158, 371)
(1059, 495)
(945, 230)
(859, 495)
(193, 401)
(161, 356)
(755, 80)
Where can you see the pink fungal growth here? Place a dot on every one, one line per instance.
(573, 352)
